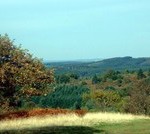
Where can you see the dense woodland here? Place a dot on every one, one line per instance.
(127, 92)
(26, 83)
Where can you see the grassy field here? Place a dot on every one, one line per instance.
(91, 123)
(134, 127)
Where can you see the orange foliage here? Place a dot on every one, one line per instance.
(39, 112)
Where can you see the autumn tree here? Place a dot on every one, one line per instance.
(140, 98)
(20, 73)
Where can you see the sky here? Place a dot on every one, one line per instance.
(78, 29)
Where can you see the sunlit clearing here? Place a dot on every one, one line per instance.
(68, 120)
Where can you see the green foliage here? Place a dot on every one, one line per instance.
(103, 100)
(110, 88)
(140, 74)
(113, 75)
(95, 79)
(66, 78)
(64, 96)
(148, 72)
(74, 76)
(62, 79)
(83, 83)
(124, 92)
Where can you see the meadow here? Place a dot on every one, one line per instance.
(90, 123)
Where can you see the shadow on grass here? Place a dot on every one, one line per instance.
(56, 130)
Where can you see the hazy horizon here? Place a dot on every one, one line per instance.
(64, 30)
(89, 60)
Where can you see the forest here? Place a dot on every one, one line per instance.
(27, 83)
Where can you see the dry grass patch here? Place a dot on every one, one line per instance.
(39, 112)
(70, 119)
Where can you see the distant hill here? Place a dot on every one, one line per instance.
(95, 67)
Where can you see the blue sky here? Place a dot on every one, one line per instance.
(78, 29)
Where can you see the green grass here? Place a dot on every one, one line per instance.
(134, 127)
(55, 130)
(141, 126)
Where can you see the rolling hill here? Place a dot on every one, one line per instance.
(96, 67)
